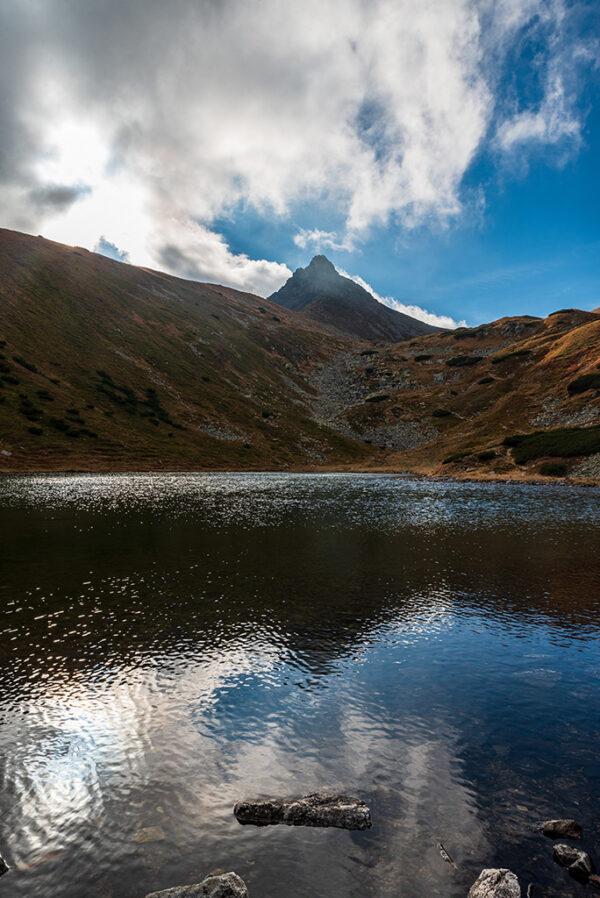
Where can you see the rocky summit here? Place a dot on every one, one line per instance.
(323, 294)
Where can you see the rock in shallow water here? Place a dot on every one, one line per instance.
(228, 885)
(494, 883)
(578, 862)
(311, 810)
(561, 829)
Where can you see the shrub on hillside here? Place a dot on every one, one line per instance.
(441, 413)
(585, 382)
(564, 442)
(553, 469)
(508, 356)
(486, 380)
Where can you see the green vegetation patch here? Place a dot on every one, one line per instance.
(486, 455)
(369, 352)
(442, 413)
(464, 361)
(486, 380)
(564, 442)
(585, 382)
(423, 358)
(553, 469)
(24, 363)
(377, 397)
(509, 356)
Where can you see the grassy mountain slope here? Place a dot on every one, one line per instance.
(109, 366)
(446, 403)
(104, 366)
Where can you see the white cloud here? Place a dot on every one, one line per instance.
(320, 240)
(412, 310)
(176, 114)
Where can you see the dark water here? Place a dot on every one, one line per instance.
(171, 644)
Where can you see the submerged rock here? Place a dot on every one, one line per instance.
(4, 868)
(578, 862)
(493, 883)
(311, 810)
(561, 829)
(149, 834)
(228, 885)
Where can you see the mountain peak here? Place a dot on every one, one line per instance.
(321, 263)
(322, 293)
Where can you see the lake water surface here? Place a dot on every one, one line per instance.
(172, 643)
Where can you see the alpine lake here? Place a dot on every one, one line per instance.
(172, 643)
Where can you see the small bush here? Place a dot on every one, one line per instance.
(564, 442)
(37, 431)
(24, 364)
(423, 358)
(486, 455)
(369, 352)
(585, 382)
(45, 395)
(464, 361)
(5, 368)
(442, 413)
(517, 354)
(59, 424)
(553, 469)
(461, 333)
(377, 397)
(10, 379)
(486, 380)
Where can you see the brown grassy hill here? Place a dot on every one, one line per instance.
(446, 403)
(104, 366)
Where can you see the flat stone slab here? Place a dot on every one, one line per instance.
(311, 810)
(561, 829)
(228, 885)
(495, 883)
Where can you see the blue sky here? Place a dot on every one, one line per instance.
(443, 152)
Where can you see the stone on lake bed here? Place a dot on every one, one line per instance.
(561, 829)
(228, 885)
(149, 834)
(578, 862)
(495, 883)
(311, 810)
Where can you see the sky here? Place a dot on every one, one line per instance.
(442, 152)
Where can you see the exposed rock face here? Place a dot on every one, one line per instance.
(561, 829)
(494, 883)
(4, 868)
(578, 862)
(312, 810)
(321, 293)
(228, 885)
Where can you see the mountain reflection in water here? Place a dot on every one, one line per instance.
(172, 643)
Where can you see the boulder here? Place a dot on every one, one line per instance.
(578, 862)
(561, 829)
(228, 885)
(4, 868)
(492, 883)
(311, 810)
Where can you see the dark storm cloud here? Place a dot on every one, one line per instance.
(56, 197)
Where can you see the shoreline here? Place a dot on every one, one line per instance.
(399, 471)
